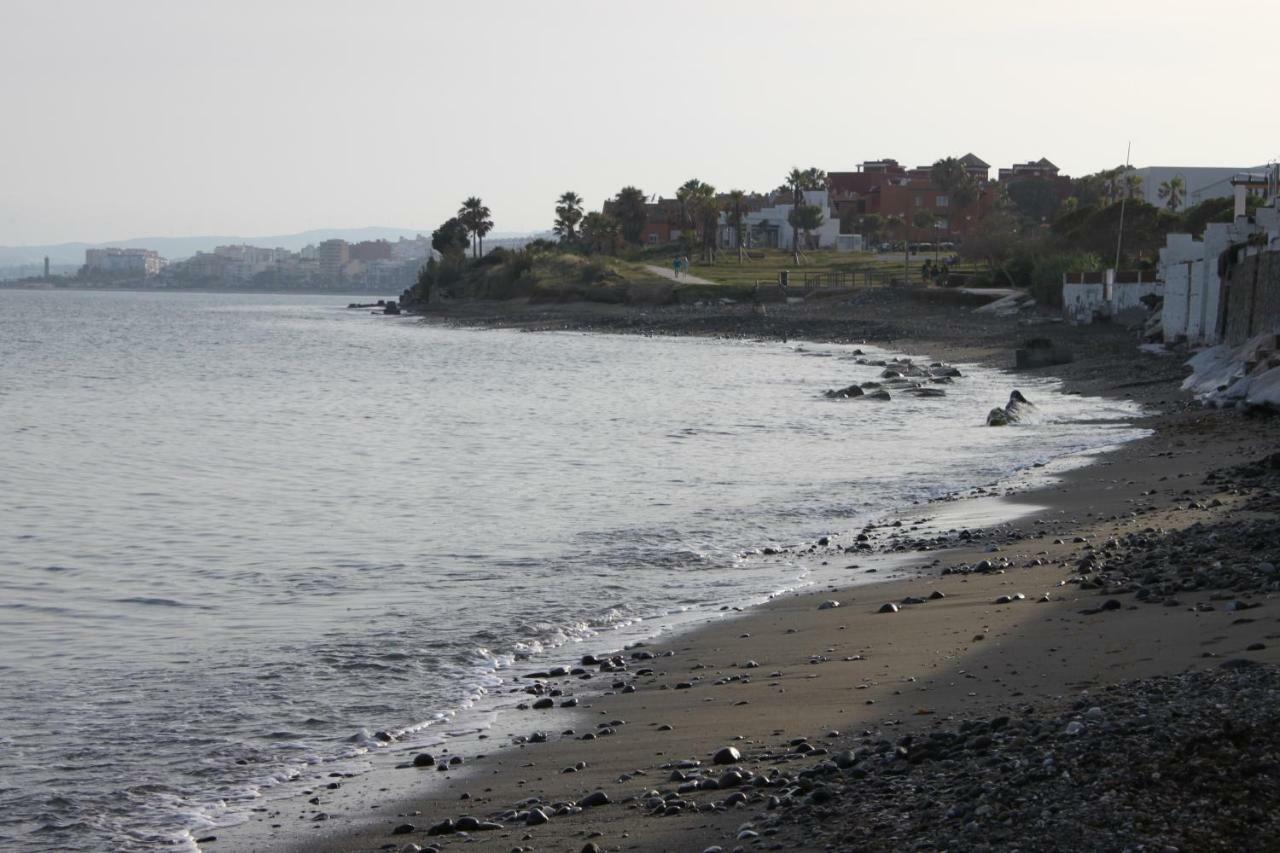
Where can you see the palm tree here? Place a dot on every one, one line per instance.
(871, 225)
(685, 195)
(483, 226)
(568, 215)
(736, 208)
(471, 215)
(1172, 192)
(475, 218)
(795, 182)
(950, 176)
(629, 207)
(707, 210)
(894, 223)
(600, 233)
(1132, 185)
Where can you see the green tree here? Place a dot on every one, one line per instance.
(1197, 216)
(475, 218)
(600, 233)
(629, 210)
(807, 218)
(798, 182)
(872, 224)
(699, 212)
(451, 238)
(993, 240)
(1094, 229)
(1172, 191)
(950, 176)
(686, 196)
(736, 209)
(1132, 185)
(1034, 199)
(568, 215)
(895, 224)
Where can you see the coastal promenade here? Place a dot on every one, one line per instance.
(669, 273)
(1053, 672)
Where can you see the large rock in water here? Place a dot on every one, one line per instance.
(1016, 410)
(842, 393)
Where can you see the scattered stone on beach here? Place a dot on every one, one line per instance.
(403, 829)
(424, 759)
(1074, 776)
(829, 604)
(888, 607)
(726, 755)
(935, 595)
(592, 800)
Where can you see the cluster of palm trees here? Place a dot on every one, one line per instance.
(475, 218)
(623, 217)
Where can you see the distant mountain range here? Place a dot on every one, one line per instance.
(175, 248)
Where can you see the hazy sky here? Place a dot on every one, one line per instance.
(173, 117)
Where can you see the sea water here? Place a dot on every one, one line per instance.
(241, 534)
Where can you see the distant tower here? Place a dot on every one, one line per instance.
(46, 266)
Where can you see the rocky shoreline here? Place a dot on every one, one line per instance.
(1099, 674)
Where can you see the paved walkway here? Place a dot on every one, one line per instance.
(667, 272)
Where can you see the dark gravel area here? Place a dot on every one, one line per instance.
(1188, 762)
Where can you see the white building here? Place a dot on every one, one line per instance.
(1200, 183)
(1189, 268)
(244, 262)
(143, 263)
(769, 228)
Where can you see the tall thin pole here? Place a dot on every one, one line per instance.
(1123, 198)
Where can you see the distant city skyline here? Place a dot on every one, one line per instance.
(145, 118)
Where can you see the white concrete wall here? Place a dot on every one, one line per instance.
(1193, 290)
(1081, 301)
(848, 242)
(1126, 295)
(1177, 299)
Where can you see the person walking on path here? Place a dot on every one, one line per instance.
(675, 266)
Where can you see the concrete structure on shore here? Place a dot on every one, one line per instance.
(1195, 271)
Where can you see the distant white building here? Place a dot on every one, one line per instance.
(1200, 183)
(769, 227)
(244, 262)
(140, 263)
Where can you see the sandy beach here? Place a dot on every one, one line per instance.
(1050, 674)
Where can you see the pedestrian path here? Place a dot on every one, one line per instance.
(667, 272)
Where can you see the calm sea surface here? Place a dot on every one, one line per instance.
(240, 534)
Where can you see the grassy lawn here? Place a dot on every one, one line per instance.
(829, 264)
